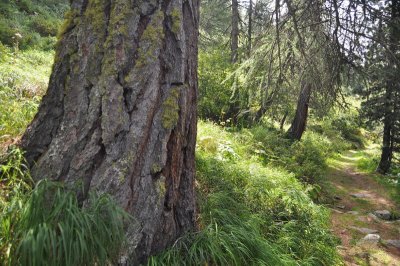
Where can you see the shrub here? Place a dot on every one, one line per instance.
(45, 26)
(309, 157)
(6, 33)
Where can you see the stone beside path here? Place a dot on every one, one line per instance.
(394, 243)
(384, 215)
(372, 238)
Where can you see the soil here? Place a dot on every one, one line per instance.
(345, 179)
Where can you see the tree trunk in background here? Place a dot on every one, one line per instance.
(389, 112)
(283, 120)
(119, 115)
(250, 28)
(235, 31)
(386, 155)
(298, 126)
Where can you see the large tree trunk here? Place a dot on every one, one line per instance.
(235, 31)
(119, 115)
(298, 126)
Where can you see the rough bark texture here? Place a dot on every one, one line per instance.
(250, 28)
(235, 31)
(119, 115)
(389, 119)
(298, 126)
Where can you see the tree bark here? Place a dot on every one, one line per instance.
(250, 28)
(119, 116)
(298, 126)
(387, 151)
(283, 120)
(389, 112)
(235, 31)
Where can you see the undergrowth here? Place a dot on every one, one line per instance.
(46, 225)
(23, 79)
(252, 212)
(27, 24)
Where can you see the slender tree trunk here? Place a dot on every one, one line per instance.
(119, 115)
(389, 119)
(298, 126)
(387, 147)
(387, 151)
(235, 31)
(250, 28)
(283, 120)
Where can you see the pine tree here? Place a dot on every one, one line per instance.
(382, 97)
(119, 116)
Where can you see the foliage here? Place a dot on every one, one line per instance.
(35, 22)
(306, 158)
(215, 92)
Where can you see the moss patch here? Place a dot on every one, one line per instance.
(151, 40)
(170, 109)
(176, 20)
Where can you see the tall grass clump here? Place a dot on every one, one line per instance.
(46, 225)
(229, 235)
(55, 230)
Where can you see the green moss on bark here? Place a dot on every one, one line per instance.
(176, 20)
(151, 40)
(170, 108)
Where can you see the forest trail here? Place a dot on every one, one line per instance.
(357, 196)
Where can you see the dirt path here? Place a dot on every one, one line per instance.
(350, 214)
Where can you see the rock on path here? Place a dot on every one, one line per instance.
(371, 238)
(364, 230)
(383, 214)
(360, 195)
(394, 243)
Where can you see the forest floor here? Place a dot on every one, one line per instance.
(353, 218)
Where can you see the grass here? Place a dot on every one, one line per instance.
(23, 80)
(55, 230)
(251, 212)
(46, 225)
